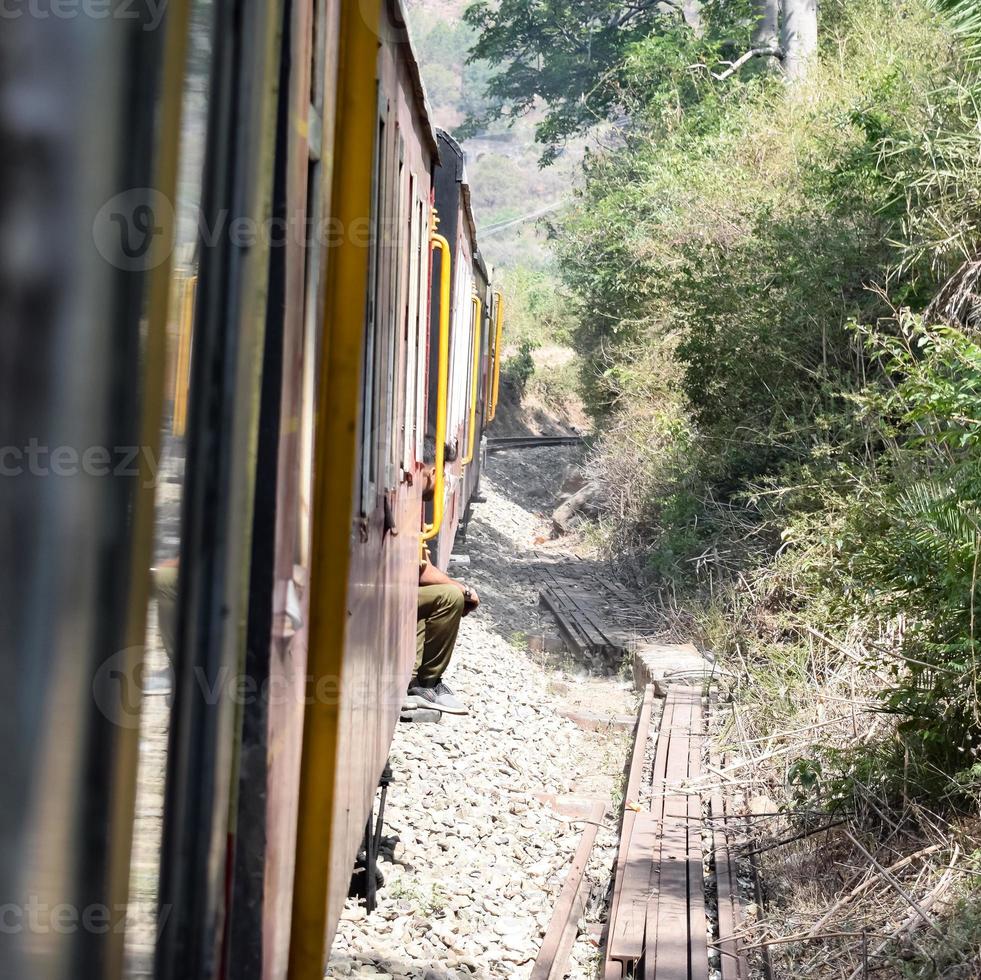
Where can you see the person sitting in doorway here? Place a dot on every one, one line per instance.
(443, 602)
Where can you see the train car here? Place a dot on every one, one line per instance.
(369, 610)
(473, 349)
(223, 278)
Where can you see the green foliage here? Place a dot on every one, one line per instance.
(556, 385)
(911, 553)
(964, 17)
(537, 317)
(537, 307)
(569, 55)
(589, 62)
(789, 449)
(518, 369)
(725, 225)
(804, 779)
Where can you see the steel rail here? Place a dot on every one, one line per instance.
(503, 444)
(560, 937)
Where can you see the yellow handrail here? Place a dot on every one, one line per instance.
(442, 391)
(478, 313)
(182, 371)
(499, 337)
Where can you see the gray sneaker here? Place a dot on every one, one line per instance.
(436, 697)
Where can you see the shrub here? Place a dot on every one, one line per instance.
(787, 451)
(518, 370)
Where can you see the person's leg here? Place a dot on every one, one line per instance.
(437, 627)
(440, 612)
(420, 637)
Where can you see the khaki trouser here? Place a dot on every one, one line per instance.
(440, 612)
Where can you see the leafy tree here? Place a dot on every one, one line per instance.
(580, 57)
(573, 55)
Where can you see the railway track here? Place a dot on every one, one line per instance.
(678, 910)
(673, 863)
(504, 444)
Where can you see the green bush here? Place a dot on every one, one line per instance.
(910, 554)
(519, 369)
(789, 449)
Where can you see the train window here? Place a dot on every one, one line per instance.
(411, 336)
(396, 246)
(370, 387)
(422, 327)
(159, 648)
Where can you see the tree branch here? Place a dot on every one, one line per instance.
(620, 20)
(768, 52)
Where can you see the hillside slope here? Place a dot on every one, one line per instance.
(508, 184)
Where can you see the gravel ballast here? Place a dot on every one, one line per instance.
(482, 856)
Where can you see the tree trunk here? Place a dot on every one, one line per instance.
(691, 10)
(799, 37)
(766, 31)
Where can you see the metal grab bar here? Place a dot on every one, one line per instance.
(499, 337)
(442, 391)
(182, 371)
(478, 312)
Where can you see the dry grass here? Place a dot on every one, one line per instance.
(858, 883)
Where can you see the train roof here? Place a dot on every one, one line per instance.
(435, 136)
(459, 162)
(401, 20)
